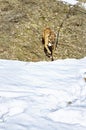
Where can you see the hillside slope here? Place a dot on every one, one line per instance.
(22, 23)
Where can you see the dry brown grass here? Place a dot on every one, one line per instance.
(22, 23)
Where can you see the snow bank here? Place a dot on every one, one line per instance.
(43, 95)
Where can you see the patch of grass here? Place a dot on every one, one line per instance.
(22, 23)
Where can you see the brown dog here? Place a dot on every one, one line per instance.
(49, 41)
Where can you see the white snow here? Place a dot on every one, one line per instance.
(43, 95)
(72, 2)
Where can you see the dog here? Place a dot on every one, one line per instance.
(49, 41)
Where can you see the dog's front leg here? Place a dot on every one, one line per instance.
(46, 45)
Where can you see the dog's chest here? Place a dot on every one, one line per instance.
(49, 44)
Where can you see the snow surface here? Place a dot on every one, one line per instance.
(74, 2)
(43, 95)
